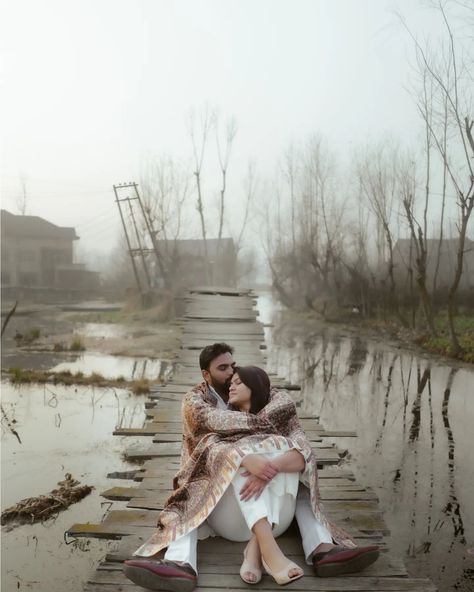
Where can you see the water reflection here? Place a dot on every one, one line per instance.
(414, 420)
(62, 429)
(130, 368)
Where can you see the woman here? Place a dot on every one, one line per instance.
(243, 515)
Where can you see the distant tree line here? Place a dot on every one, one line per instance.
(393, 239)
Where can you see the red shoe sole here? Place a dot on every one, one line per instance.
(153, 581)
(339, 568)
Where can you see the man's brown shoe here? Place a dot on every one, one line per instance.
(341, 560)
(159, 574)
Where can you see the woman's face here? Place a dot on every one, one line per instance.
(239, 394)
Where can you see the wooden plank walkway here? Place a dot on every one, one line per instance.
(215, 314)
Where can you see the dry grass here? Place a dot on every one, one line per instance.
(22, 376)
(42, 507)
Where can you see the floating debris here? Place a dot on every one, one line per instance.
(42, 507)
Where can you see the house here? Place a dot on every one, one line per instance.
(37, 255)
(186, 264)
(404, 257)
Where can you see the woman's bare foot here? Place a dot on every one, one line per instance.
(251, 571)
(277, 562)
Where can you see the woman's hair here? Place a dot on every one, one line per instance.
(258, 382)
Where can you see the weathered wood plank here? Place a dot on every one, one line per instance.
(360, 583)
(221, 548)
(216, 562)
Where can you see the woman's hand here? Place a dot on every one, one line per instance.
(253, 487)
(290, 462)
(259, 466)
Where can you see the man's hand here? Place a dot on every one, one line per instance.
(253, 487)
(259, 466)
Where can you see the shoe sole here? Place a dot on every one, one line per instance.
(152, 581)
(345, 567)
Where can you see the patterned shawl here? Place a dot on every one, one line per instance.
(214, 443)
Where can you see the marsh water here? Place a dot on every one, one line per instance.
(60, 430)
(414, 416)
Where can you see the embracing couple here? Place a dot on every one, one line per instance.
(247, 469)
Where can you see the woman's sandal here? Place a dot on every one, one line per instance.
(281, 577)
(247, 567)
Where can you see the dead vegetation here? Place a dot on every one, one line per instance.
(23, 376)
(42, 507)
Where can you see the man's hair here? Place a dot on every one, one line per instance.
(211, 352)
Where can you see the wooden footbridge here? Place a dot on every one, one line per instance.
(211, 315)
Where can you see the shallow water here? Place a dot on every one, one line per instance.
(414, 416)
(130, 368)
(60, 430)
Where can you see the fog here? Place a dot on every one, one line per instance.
(93, 91)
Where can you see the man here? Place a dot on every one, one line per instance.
(178, 571)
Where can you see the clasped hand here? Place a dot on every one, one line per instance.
(259, 472)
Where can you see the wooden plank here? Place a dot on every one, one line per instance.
(353, 583)
(216, 562)
(218, 547)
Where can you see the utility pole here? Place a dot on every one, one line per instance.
(131, 210)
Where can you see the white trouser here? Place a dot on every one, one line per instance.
(313, 533)
(233, 518)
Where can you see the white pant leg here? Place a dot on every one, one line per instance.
(313, 533)
(184, 549)
(233, 518)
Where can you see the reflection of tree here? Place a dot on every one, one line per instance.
(328, 365)
(405, 389)
(452, 508)
(386, 400)
(357, 355)
(422, 381)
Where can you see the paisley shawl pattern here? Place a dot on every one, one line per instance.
(214, 443)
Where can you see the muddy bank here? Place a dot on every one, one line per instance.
(66, 336)
(386, 333)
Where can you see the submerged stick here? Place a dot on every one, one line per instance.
(8, 317)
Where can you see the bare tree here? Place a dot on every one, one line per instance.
(452, 86)
(199, 132)
(22, 199)
(377, 176)
(224, 157)
(166, 188)
(407, 184)
(249, 188)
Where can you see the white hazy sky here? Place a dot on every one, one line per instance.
(90, 88)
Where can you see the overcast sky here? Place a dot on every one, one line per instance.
(91, 88)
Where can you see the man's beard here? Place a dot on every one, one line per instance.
(221, 387)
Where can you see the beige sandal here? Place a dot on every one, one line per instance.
(247, 567)
(281, 577)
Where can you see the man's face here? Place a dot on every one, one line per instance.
(220, 373)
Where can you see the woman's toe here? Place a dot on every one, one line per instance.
(250, 577)
(294, 572)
